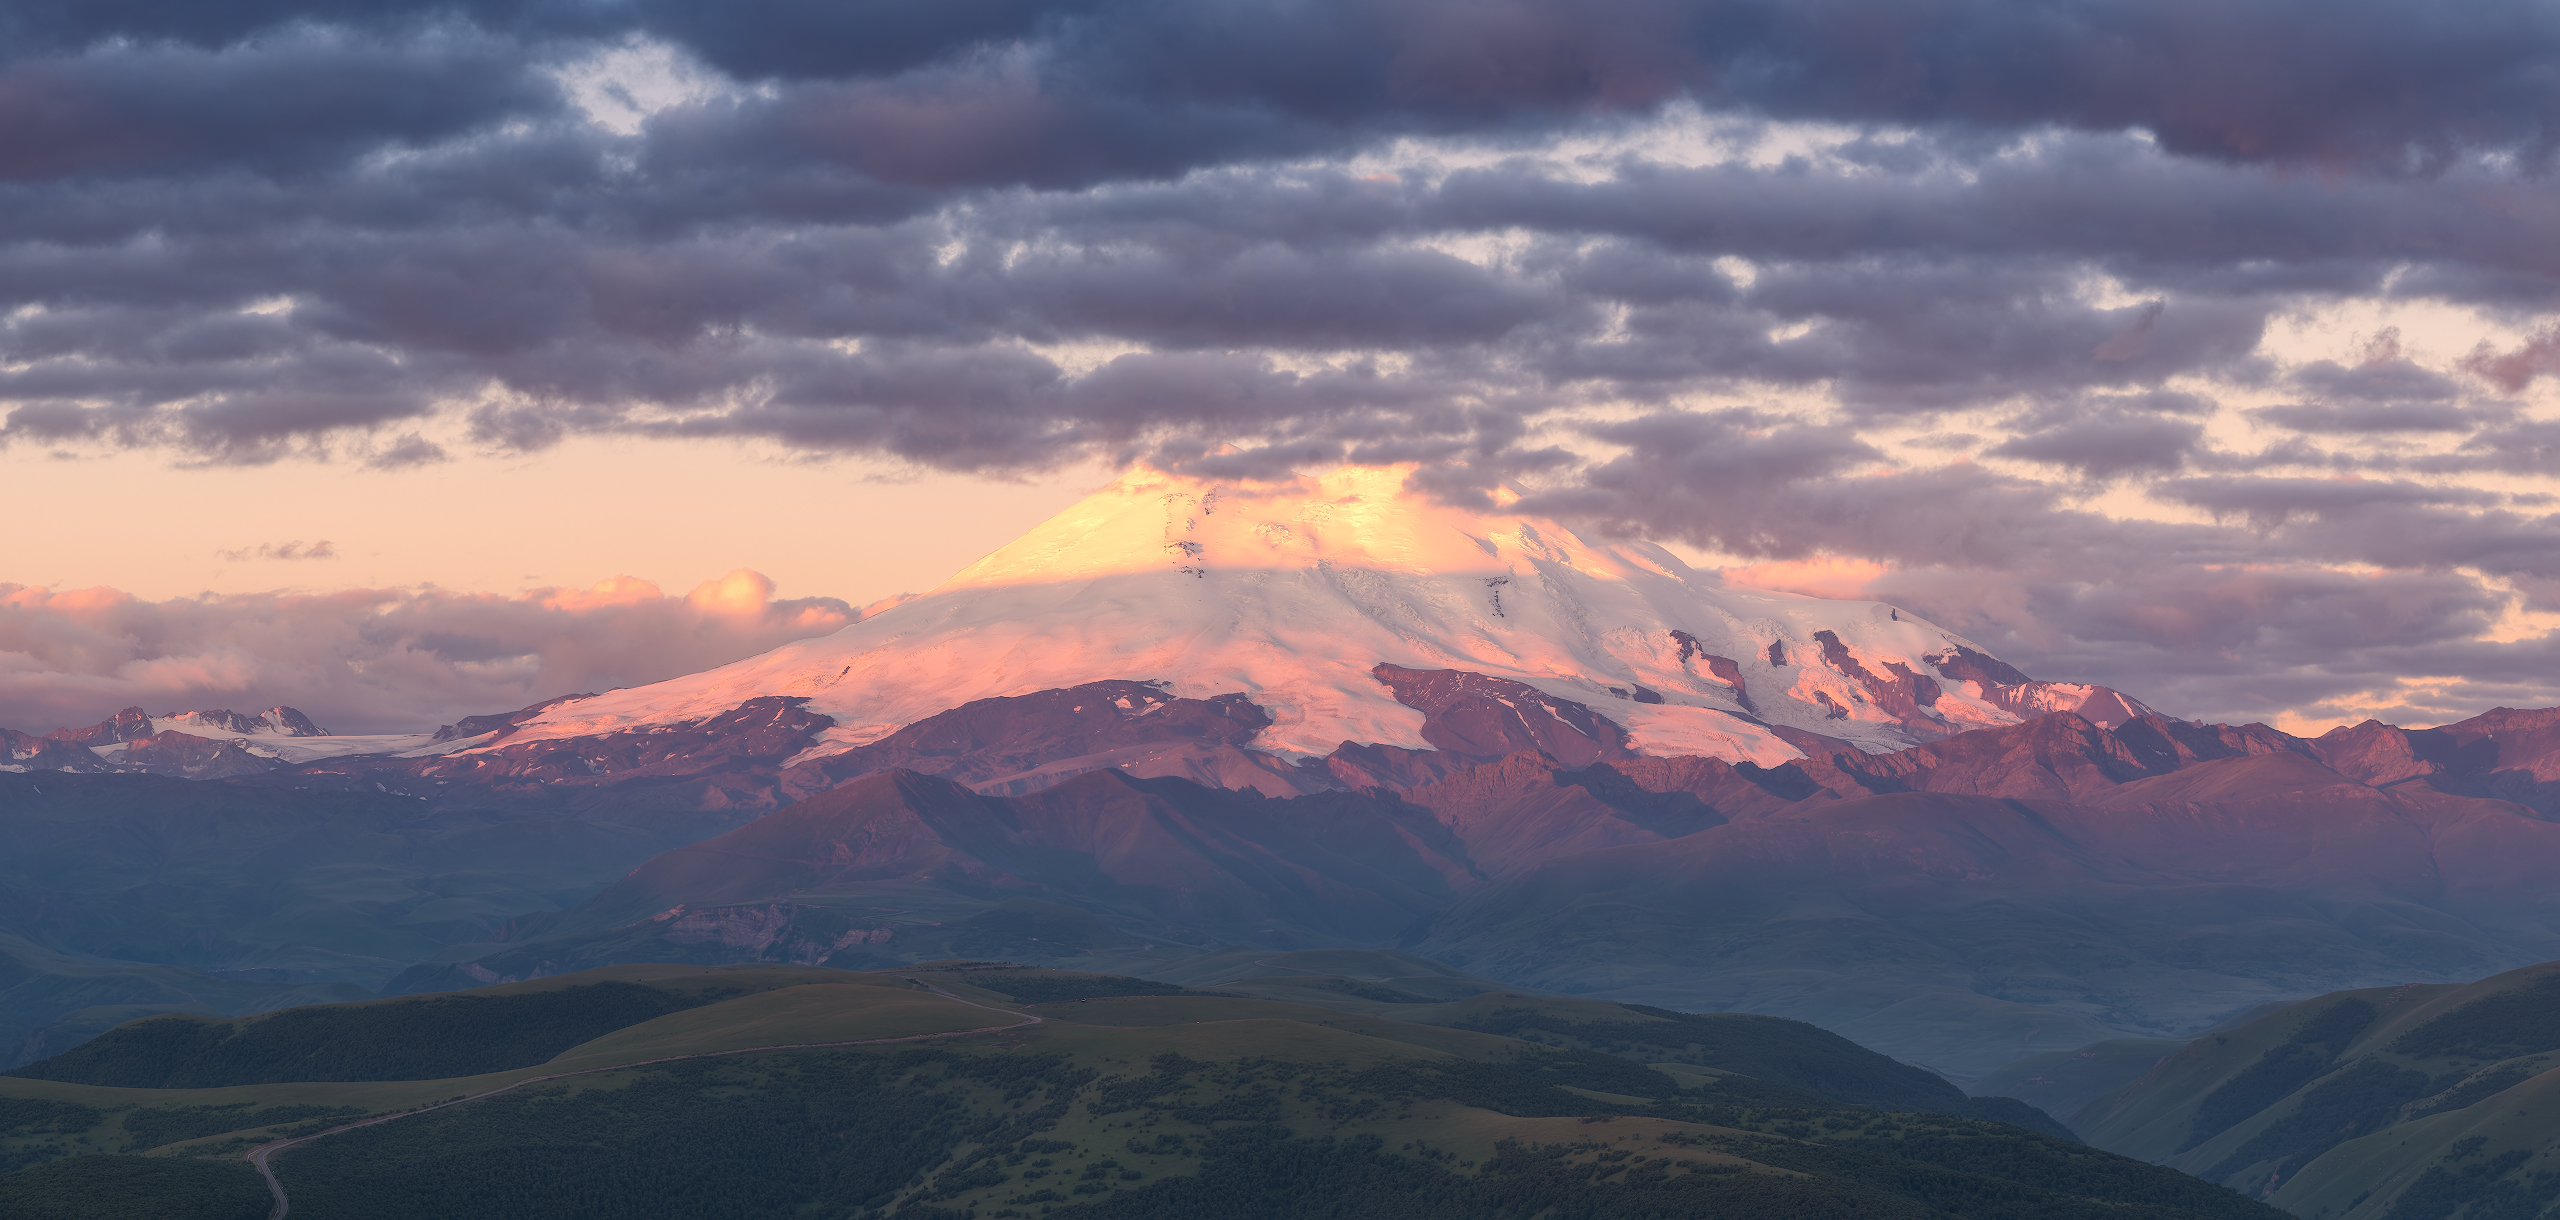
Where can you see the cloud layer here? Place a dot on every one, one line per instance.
(375, 660)
(2009, 300)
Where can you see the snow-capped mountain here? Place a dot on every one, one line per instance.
(206, 744)
(1291, 595)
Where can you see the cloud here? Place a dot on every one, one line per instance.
(298, 98)
(2513, 371)
(2308, 598)
(2362, 419)
(2105, 440)
(322, 549)
(375, 660)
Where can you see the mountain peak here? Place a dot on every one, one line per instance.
(1354, 516)
(1292, 593)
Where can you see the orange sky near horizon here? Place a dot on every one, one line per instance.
(589, 510)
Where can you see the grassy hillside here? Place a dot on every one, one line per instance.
(1140, 1104)
(2407, 1103)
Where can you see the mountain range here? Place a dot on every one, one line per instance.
(1184, 716)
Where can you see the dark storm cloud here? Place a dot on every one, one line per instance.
(2368, 83)
(994, 235)
(295, 100)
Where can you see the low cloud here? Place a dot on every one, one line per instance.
(376, 660)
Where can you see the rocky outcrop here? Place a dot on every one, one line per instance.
(1481, 719)
(1900, 692)
(1691, 654)
(128, 725)
(1987, 671)
(28, 752)
(2000, 684)
(1018, 744)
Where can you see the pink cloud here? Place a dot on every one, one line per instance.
(376, 660)
(2511, 371)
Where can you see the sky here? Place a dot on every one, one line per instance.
(404, 362)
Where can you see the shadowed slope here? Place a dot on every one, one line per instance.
(2404, 1101)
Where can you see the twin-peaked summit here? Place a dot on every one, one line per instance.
(1291, 595)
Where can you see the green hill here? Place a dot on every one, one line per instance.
(1136, 1104)
(2407, 1103)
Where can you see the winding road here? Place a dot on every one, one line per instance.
(261, 1155)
